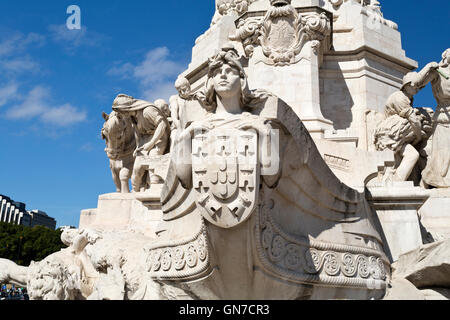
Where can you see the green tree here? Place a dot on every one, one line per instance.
(24, 244)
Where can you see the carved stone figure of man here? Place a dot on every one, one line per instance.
(403, 128)
(437, 172)
(181, 104)
(152, 131)
(177, 102)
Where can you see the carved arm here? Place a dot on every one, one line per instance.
(159, 133)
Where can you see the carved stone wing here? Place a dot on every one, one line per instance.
(175, 199)
(312, 228)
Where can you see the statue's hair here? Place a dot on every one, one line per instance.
(163, 106)
(228, 55)
(181, 81)
(445, 58)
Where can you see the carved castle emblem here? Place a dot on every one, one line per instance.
(225, 175)
(282, 33)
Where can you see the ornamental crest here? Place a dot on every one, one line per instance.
(225, 175)
(282, 33)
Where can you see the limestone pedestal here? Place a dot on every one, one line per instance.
(435, 214)
(117, 211)
(397, 207)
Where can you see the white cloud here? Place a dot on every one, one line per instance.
(18, 42)
(124, 71)
(63, 116)
(37, 105)
(159, 91)
(19, 65)
(7, 93)
(156, 74)
(157, 66)
(33, 105)
(12, 60)
(87, 147)
(75, 38)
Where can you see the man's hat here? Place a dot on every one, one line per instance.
(409, 79)
(124, 103)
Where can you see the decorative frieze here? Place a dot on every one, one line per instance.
(316, 262)
(179, 260)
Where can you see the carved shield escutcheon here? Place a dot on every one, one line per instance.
(225, 175)
(282, 34)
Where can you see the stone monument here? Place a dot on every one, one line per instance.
(292, 164)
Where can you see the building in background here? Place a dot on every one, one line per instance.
(16, 213)
(40, 218)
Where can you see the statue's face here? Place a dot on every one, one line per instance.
(446, 57)
(412, 89)
(184, 89)
(227, 81)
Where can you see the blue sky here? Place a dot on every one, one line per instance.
(55, 83)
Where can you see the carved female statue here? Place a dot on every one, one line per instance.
(437, 172)
(229, 102)
(251, 210)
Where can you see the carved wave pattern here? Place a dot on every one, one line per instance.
(318, 262)
(183, 260)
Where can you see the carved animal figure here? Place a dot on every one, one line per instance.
(118, 134)
(12, 273)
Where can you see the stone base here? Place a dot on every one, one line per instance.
(397, 208)
(87, 217)
(117, 211)
(435, 214)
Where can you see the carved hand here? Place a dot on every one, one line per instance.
(189, 132)
(262, 129)
(148, 149)
(137, 151)
(433, 65)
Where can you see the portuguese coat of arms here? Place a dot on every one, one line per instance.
(225, 175)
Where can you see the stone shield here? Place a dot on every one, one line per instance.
(225, 175)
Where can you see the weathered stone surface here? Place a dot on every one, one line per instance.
(435, 214)
(402, 289)
(428, 266)
(436, 294)
(140, 212)
(396, 206)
